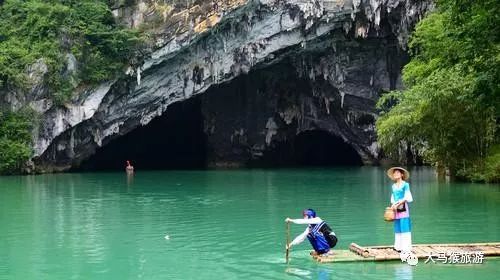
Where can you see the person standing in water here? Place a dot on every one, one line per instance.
(320, 235)
(129, 169)
(400, 197)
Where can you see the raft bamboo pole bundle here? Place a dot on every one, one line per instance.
(387, 253)
(422, 250)
(359, 250)
(442, 245)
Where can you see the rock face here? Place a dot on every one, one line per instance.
(259, 112)
(310, 64)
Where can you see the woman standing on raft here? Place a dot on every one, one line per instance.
(400, 198)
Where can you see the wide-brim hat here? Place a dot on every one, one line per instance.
(406, 174)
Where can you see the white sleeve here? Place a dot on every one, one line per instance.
(392, 197)
(408, 197)
(313, 221)
(300, 237)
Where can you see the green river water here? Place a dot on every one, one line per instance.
(228, 224)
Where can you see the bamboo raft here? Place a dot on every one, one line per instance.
(422, 251)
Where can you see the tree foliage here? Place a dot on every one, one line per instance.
(52, 29)
(450, 107)
(15, 140)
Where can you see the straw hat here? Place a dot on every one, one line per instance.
(406, 174)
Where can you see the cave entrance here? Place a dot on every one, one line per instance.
(174, 140)
(320, 148)
(312, 148)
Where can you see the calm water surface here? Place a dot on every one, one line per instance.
(228, 224)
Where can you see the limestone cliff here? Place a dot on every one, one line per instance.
(312, 64)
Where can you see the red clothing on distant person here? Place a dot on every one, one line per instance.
(129, 167)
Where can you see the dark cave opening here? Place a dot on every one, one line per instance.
(174, 140)
(312, 148)
(320, 148)
(225, 127)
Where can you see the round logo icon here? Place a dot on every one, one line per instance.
(409, 258)
(412, 259)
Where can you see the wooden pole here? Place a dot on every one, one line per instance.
(287, 240)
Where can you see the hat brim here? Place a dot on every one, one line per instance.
(406, 174)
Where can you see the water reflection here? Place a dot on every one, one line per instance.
(300, 273)
(130, 179)
(321, 273)
(324, 274)
(403, 272)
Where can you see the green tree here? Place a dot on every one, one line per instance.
(52, 29)
(15, 140)
(450, 108)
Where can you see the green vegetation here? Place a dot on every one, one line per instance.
(15, 140)
(450, 108)
(52, 29)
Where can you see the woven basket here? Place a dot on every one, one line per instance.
(389, 214)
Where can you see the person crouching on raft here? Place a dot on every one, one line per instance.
(320, 235)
